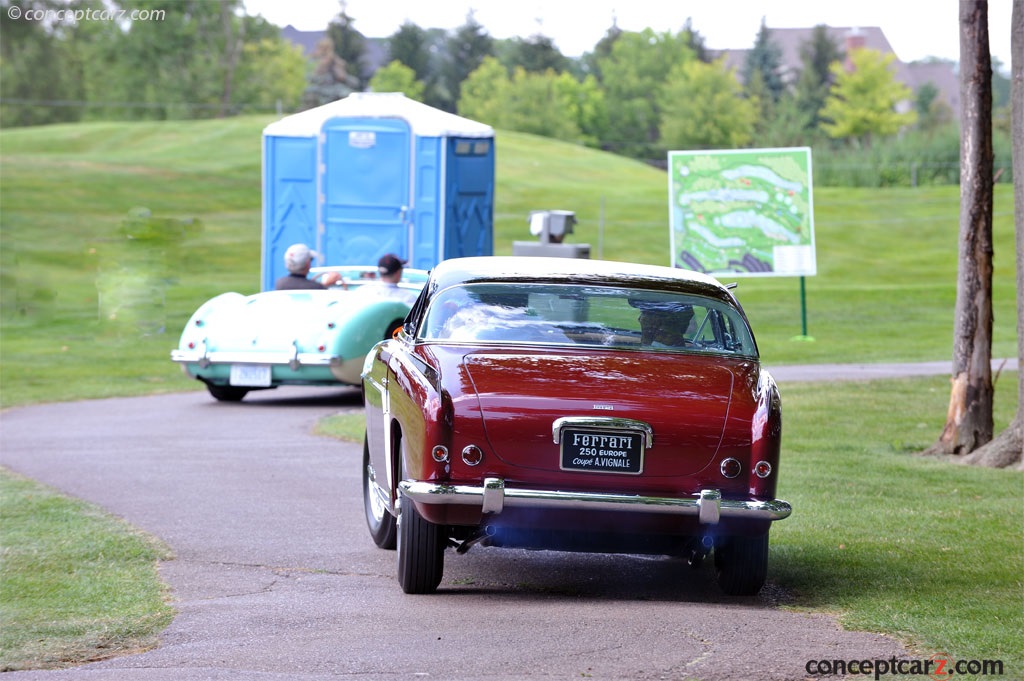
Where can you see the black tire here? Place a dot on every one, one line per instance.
(227, 393)
(420, 551)
(382, 525)
(741, 564)
(392, 328)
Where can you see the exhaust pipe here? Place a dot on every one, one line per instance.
(698, 551)
(480, 536)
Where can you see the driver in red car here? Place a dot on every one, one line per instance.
(665, 327)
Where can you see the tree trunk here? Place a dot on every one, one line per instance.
(1008, 448)
(969, 420)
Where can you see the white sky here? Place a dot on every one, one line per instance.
(915, 28)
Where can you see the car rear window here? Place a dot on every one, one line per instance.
(586, 315)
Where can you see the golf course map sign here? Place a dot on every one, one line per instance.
(747, 212)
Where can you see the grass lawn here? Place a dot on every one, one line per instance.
(76, 585)
(923, 549)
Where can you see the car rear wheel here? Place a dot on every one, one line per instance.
(741, 564)
(392, 328)
(227, 393)
(383, 527)
(420, 551)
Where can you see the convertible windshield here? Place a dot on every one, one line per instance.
(600, 316)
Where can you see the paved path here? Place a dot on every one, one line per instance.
(275, 578)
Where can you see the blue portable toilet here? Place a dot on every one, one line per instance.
(376, 173)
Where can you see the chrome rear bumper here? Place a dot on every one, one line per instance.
(293, 360)
(493, 497)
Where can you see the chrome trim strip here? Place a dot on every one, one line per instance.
(272, 358)
(708, 506)
(602, 423)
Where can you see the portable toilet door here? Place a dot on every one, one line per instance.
(365, 189)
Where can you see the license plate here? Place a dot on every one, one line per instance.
(602, 452)
(251, 375)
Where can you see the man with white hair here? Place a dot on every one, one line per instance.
(298, 259)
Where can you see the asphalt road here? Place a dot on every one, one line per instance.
(275, 577)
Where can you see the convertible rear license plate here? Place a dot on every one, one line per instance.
(251, 375)
(602, 452)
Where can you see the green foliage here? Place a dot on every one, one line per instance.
(271, 75)
(330, 79)
(535, 54)
(33, 70)
(483, 92)
(77, 585)
(863, 103)
(765, 61)
(409, 46)
(702, 107)
(812, 87)
(633, 76)
(349, 46)
(397, 77)
(467, 49)
(536, 104)
(547, 104)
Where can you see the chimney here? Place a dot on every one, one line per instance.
(854, 41)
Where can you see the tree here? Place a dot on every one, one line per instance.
(536, 54)
(932, 112)
(409, 46)
(467, 49)
(765, 58)
(863, 102)
(534, 104)
(483, 92)
(271, 74)
(350, 46)
(969, 420)
(695, 41)
(817, 56)
(330, 79)
(397, 77)
(1007, 448)
(591, 61)
(703, 107)
(32, 73)
(634, 74)
(548, 104)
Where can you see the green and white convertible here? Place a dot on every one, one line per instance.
(235, 343)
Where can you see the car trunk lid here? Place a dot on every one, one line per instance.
(685, 399)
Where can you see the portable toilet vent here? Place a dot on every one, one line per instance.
(376, 173)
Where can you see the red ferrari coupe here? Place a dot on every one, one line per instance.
(572, 405)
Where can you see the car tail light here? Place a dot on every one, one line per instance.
(762, 469)
(472, 455)
(731, 467)
(440, 453)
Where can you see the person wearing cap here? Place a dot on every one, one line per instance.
(389, 273)
(298, 259)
